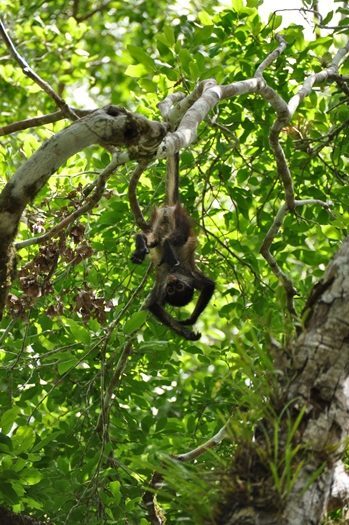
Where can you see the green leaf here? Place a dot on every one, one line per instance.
(66, 362)
(8, 418)
(136, 71)
(135, 322)
(186, 59)
(169, 35)
(79, 332)
(238, 5)
(30, 476)
(276, 21)
(23, 439)
(115, 489)
(142, 57)
(205, 18)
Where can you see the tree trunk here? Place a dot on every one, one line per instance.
(10, 518)
(312, 422)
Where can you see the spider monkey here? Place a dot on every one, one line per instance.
(170, 239)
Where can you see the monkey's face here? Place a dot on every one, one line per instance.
(178, 291)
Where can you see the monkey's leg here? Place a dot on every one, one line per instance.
(141, 250)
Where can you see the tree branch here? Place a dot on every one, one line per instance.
(210, 443)
(29, 72)
(110, 126)
(89, 204)
(40, 121)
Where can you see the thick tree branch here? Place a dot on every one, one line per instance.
(317, 78)
(145, 141)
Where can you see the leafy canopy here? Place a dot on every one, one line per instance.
(57, 352)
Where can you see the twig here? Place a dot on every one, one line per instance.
(149, 497)
(98, 9)
(40, 121)
(210, 443)
(103, 419)
(272, 56)
(241, 260)
(317, 78)
(89, 204)
(29, 72)
(265, 251)
(328, 138)
(270, 236)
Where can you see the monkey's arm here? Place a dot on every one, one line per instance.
(141, 249)
(206, 287)
(158, 311)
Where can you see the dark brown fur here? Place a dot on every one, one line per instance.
(171, 242)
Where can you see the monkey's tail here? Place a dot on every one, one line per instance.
(132, 197)
(172, 179)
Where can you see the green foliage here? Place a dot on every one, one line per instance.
(73, 307)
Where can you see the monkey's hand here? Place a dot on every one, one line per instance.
(190, 336)
(139, 256)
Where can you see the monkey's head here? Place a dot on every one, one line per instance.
(179, 290)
